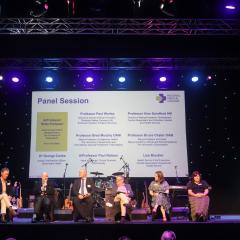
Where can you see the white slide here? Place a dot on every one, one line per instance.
(105, 129)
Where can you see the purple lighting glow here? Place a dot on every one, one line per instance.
(15, 79)
(1, 77)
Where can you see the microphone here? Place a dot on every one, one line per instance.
(66, 164)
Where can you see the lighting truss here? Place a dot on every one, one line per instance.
(119, 26)
(118, 63)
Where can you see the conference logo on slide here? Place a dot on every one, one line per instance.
(161, 98)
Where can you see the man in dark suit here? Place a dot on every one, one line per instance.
(82, 191)
(122, 193)
(5, 192)
(44, 195)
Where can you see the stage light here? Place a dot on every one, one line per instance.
(209, 77)
(49, 79)
(230, 7)
(194, 79)
(15, 79)
(162, 79)
(39, 8)
(121, 79)
(1, 77)
(89, 79)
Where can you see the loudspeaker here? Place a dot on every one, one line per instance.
(139, 214)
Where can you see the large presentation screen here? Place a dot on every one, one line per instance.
(103, 130)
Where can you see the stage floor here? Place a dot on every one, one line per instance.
(102, 220)
(218, 227)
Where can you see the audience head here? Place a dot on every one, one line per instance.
(168, 235)
(4, 173)
(124, 238)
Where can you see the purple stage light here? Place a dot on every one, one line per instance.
(1, 77)
(209, 77)
(230, 7)
(15, 79)
(89, 79)
(162, 79)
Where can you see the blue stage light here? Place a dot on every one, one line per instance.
(195, 79)
(121, 79)
(49, 79)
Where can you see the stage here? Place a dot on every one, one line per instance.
(218, 227)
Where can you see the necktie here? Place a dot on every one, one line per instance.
(82, 186)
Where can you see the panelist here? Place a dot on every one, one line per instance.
(198, 190)
(82, 191)
(122, 193)
(44, 199)
(5, 193)
(159, 190)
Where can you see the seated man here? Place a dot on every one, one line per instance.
(122, 193)
(44, 195)
(198, 197)
(5, 192)
(82, 191)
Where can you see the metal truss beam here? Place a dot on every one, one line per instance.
(118, 63)
(110, 26)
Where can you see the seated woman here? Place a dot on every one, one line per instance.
(198, 197)
(159, 190)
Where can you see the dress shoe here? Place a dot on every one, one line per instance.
(12, 212)
(3, 218)
(154, 216)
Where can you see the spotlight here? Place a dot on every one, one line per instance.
(121, 79)
(15, 79)
(162, 79)
(89, 79)
(39, 8)
(230, 7)
(1, 77)
(194, 79)
(209, 77)
(49, 79)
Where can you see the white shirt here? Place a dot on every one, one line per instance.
(84, 187)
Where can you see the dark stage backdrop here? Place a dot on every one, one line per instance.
(212, 115)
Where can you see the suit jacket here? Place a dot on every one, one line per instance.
(128, 187)
(9, 188)
(89, 185)
(49, 190)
